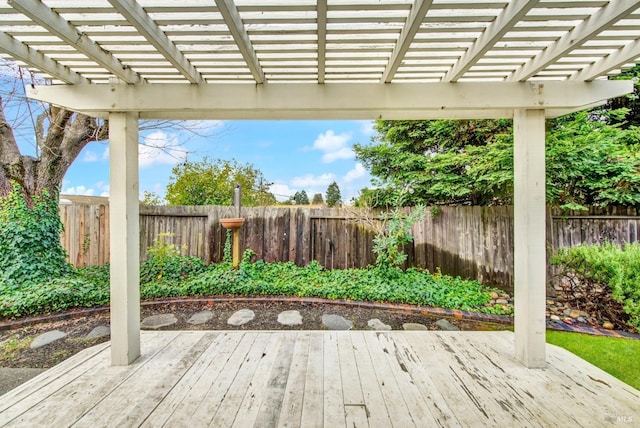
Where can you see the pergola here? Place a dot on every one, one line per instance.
(127, 60)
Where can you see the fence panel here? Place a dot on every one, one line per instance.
(472, 242)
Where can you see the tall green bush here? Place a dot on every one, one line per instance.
(30, 249)
(601, 272)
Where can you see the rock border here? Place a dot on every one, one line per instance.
(416, 309)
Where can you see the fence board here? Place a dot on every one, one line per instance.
(473, 242)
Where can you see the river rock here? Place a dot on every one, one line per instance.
(445, 325)
(241, 317)
(47, 338)
(608, 325)
(336, 322)
(574, 313)
(412, 326)
(290, 318)
(201, 317)
(99, 331)
(155, 322)
(376, 324)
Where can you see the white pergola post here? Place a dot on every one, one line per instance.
(125, 238)
(529, 237)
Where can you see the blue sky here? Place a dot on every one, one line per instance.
(294, 155)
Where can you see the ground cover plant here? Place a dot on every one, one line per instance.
(90, 286)
(616, 356)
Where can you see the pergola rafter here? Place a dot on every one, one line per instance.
(321, 11)
(627, 54)
(586, 30)
(411, 27)
(25, 54)
(137, 16)
(233, 20)
(509, 17)
(54, 23)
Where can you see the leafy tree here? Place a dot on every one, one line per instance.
(589, 162)
(333, 195)
(150, 199)
(317, 199)
(631, 101)
(211, 182)
(300, 198)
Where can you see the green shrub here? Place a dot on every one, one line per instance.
(30, 249)
(166, 262)
(605, 277)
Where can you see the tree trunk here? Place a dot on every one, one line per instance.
(59, 145)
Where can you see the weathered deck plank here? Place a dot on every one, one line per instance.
(316, 378)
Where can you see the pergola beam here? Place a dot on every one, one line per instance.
(408, 33)
(585, 31)
(136, 15)
(234, 22)
(321, 17)
(624, 55)
(33, 58)
(300, 101)
(54, 23)
(510, 15)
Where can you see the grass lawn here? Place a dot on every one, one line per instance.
(618, 357)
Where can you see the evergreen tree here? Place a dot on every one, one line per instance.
(333, 194)
(317, 199)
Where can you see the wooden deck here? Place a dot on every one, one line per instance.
(320, 378)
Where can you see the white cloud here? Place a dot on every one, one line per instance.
(78, 190)
(367, 127)
(281, 191)
(90, 156)
(158, 148)
(313, 181)
(334, 146)
(357, 172)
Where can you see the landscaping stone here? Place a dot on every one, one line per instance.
(501, 301)
(155, 322)
(336, 322)
(376, 324)
(99, 331)
(608, 325)
(554, 318)
(201, 317)
(574, 313)
(290, 318)
(412, 326)
(47, 338)
(494, 295)
(445, 325)
(241, 317)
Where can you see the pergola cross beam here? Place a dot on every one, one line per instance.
(583, 32)
(58, 26)
(321, 17)
(628, 53)
(24, 53)
(136, 16)
(507, 19)
(234, 22)
(407, 35)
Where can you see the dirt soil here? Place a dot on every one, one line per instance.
(15, 350)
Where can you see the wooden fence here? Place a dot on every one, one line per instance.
(473, 242)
